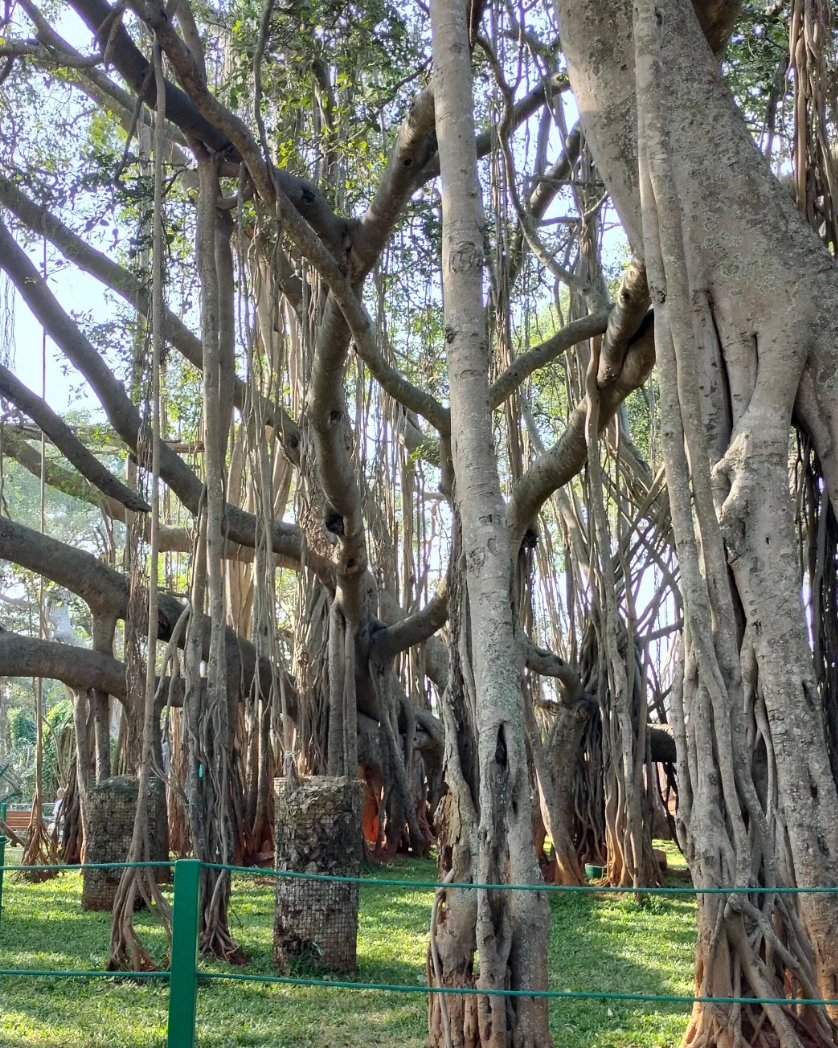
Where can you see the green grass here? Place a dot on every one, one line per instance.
(605, 943)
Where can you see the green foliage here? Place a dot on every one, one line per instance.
(755, 66)
(21, 727)
(336, 68)
(598, 943)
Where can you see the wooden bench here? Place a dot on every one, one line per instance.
(18, 820)
(17, 823)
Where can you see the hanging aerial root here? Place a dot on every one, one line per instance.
(138, 889)
(41, 849)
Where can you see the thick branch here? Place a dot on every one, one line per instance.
(412, 629)
(40, 220)
(68, 443)
(101, 588)
(106, 592)
(327, 410)
(548, 664)
(624, 321)
(78, 668)
(523, 366)
(192, 114)
(64, 480)
(436, 651)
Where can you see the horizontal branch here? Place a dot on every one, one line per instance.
(45, 56)
(104, 590)
(106, 593)
(78, 668)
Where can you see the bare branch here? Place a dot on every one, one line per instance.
(42, 221)
(548, 664)
(566, 458)
(523, 366)
(67, 481)
(68, 443)
(46, 56)
(106, 593)
(624, 321)
(78, 668)
(412, 629)
(241, 526)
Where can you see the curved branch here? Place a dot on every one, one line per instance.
(548, 664)
(405, 171)
(412, 629)
(436, 650)
(64, 480)
(413, 162)
(297, 202)
(523, 366)
(78, 668)
(106, 592)
(190, 114)
(42, 221)
(624, 321)
(68, 443)
(326, 404)
(124, 417)
(568, 455)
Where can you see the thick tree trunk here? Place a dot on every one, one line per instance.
(210, 713)
(489, 804)
(746, 302)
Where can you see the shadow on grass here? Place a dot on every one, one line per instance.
(610, 944)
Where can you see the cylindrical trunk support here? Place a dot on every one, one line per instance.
(113, 806)
(318, 831)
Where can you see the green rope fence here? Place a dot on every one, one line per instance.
(260, 871)
(184, 977)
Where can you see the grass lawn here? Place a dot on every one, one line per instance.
(605, 943)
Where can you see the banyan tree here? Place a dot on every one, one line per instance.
(456, 410)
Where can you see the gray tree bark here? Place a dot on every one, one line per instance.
(490, 839)
(746, 301)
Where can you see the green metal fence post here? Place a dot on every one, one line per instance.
(3, 842)
(183, 978)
